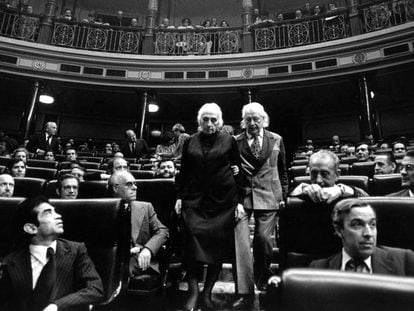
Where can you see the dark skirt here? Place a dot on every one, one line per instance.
(208, 236)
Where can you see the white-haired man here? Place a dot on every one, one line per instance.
(40, 143)
(264, 178)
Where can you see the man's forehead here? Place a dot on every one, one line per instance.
(407, 160)
(363, 212)
(381, 158)
(6, 178)
(167, 163)
(321, 161)
(252, 114)
(120, 161)
(43, 207)
(363, 146)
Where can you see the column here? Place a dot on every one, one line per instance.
(148, 42)
(368, 124)
(247, 13)
(354, 18)
(46, 23)
(144, 113)
(29, 119)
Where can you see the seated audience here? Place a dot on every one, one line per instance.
(165, 24)
(355, 223)
(399, 147)
(21, 153)
(108, 149)
(317, 10)
(6, 185)
(279, 17)
(344, 148)
(407, 176)
(362, 152)
(134, 148)
(78, 171)
(166, 147)
(166, 169)
(11, 143)
(4, 150)
(307, 10)
(336, 143)
(134, 23)
(332, 7)
(224, 24)
(50, 156)
(67, 16)
(298, 14)
(17, 168)
(67, 187)
(148, 233)
(115, 148)
(385, 163)
(45, 272)
(180, 138)
(350, 151)
(324, 172)
(71, 154)
(185, 24)
(384, 145)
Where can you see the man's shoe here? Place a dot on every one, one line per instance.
(243, 303)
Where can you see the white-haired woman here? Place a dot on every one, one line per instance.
(207, 199)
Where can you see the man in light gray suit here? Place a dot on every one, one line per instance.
(265, 182)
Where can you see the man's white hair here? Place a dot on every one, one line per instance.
(256, 108)
(211, 108)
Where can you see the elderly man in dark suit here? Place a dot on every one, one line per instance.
(134, 148)
(355, 224)
(42, 142)
(264, 179)
(407, 176)
(148, 234)
(46, 273)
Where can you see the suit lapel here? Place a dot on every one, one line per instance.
(335, 262)
(137, 216)
(63, 257)
(267, 147)
(21, 271)
(380, 262)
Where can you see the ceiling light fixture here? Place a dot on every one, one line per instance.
(153, 107)
(46, 99)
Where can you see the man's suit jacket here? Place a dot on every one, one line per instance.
(265, 179)
(77, 282)
(146, 229)
(401, 193)
(38, 141)
(141, 149)
(385, 260)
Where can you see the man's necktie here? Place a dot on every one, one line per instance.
(132, 147)
(48, 139)
(255, 147)
(355, 265)
(44, 286)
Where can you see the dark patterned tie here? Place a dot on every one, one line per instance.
(255, 147)
(45, 283)
(355, 265)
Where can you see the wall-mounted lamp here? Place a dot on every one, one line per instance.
(153, 107)
(46, 99)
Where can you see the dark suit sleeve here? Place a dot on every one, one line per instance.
(181, 176)
(281, 166)
(235, 160)
(89, 283)
(33, 143)
(5, 287)
(159, 232)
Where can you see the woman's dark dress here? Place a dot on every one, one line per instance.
(209, 196)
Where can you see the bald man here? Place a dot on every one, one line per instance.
(134, 148)
(6, 186)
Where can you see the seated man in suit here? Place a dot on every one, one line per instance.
(324, 172)
(362, 152)
(385, 163)
(355, 224)
(134, 148)
(148, 233)
(166, 169)
(67, 187)
(407, 176)
(6, 186)
(45, 272)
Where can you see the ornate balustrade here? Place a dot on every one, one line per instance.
(19, 25)
(383, 14)
(97, 37)
(197, 41)
(290, 33)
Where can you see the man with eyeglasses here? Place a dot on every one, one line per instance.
(407, 176)
(68, 187)
(148, 234)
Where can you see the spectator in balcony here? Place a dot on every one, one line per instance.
(91, 19)
(13, 4)
(185, 24)
(166, 147)
(206, 24)
(21, 153)
(224, 24)
(6, 186)
(134, 23)
(307, 10)
(50, 156)
(214, 22)
(385, 163)
(257, 20)
(17, 168)
(279, 17)
(399, 147)
(119, 16)
(317, 10)
(298, 14)
(332, 7)
(362, 152)
(67, 187)
(67, 16)
(165, 24)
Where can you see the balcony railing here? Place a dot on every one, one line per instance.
(198, 41)
(97, 37)
(290, 33)
(383, 14)
(19, 25)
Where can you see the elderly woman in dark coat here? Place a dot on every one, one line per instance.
(208, 199)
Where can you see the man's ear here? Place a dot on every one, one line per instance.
(58, 191)
(338, 231)
(338, 172)
(30, 228)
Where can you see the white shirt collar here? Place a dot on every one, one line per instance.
(346, 258)
(39, 251)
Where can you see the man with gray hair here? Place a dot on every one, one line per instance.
(265, 182)
(6, 186)
(324, 172)
(42, 142)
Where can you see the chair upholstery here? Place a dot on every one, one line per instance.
(305, 233)
(143, 174)
(91, 159)
(147, 167)
(60, 157)
(363, 168)
(85, 153)
(5, 161)
(344, 168)
(41, 163)
(8, 208)
(28, 186)
(135, 166)
(298, 162)
(348, 160)
(294, 171)
(386, 183)
(324, 290)
(399, 156)
(349, 180)
(100, 224)
(92, 165)
(41, 172)
(50, 189)
(93, 189)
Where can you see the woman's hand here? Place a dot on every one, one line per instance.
(178, 207)
(234, 169)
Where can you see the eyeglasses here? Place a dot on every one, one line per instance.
(407, 167)
(206, 119)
